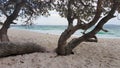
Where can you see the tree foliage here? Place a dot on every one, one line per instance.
(29, 9)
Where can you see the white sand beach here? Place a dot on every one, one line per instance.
(104, 54)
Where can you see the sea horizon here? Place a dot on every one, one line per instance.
(113, 30)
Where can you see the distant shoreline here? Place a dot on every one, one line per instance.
(114, 30)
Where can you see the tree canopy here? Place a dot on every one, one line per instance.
(88, 13)
(29, 9)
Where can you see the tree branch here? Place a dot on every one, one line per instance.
(96, 17)
(13, 16)
(72, 44)
(3, 11)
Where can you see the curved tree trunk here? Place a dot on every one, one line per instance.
(9, 20)
(3, 32)
(4, 29)
(65, 48)
(3, 35)
(62, 42)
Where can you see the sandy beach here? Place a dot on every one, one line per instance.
(104, 54)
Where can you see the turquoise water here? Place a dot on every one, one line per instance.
(114, 30)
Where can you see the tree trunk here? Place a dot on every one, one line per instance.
(4, 30)
(3, 35)
(62, 42)
(65, 48)
(73, 43)
(9, 20)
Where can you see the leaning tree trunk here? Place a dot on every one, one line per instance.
(72, 44)
(9, 20)
(65, 48)
(62, 42)
(3, 32)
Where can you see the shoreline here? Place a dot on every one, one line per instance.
(58, 29)
(36, 31)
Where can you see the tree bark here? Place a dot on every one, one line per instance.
(67, 33)
(9, 20)
(62, 42)
(65, 48)
(63, 39)
(73, 43)
(96, 17)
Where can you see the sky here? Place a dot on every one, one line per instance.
(55, 19)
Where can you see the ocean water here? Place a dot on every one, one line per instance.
(113, 30)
